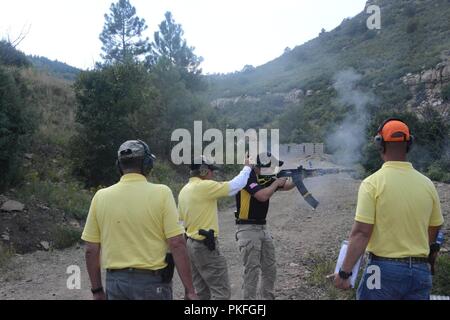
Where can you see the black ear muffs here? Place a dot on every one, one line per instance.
(147, 162)
(381, 144)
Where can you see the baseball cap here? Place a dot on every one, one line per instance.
(133, 149)
(264, 160)
(395, 131)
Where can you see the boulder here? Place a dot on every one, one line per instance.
(12, 205)
(446, 73)
(45, 245)
(3, 199)
(427, 76)
(5, 236)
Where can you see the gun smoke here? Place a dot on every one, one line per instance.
(349, 137)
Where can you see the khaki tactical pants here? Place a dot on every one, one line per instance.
(258, 256)
(209, 271)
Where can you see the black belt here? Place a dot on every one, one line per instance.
(134, 270)
(196, 240)
(251, 221)
(409, 260)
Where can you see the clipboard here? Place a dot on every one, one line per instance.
(340, 261)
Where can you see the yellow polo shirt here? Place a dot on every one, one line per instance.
(132, 221)
(197, 204)
(401, 203)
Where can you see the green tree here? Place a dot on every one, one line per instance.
(122, 34)
(15, 125)
(170, 45)
(12, 57)
(180, 105)
(115, 103)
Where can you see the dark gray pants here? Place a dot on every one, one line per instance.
(209, 271)
(136, 285)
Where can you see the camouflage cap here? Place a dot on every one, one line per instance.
(131, 149)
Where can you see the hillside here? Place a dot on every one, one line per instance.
(55, 68)
(414, 36)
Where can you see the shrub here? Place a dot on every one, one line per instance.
(412, 27)
(115, 104)
(320, 267)
(66, 196)
(441, 279)
(15, 124)
(5, 254)
(437, 173)
(163, 173)
(445, 93)
(64, 237)
(410, 10)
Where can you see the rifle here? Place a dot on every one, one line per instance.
(299, 174)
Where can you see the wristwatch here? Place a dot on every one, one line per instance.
(344, 275)
(97, 290)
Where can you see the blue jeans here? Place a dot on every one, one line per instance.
(397, 281)
(136, 285)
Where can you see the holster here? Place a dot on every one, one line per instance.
(210, 240)
(168, 271)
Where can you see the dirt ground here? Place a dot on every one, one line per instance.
(297, 230)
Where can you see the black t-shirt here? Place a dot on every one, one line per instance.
(248, 207)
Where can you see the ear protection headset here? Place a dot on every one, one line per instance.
(379, 140)
(147, 161)
(203, 170)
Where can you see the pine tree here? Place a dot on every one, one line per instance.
(122, 34)
(170, 45)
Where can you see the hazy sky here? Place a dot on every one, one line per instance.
(228, 34)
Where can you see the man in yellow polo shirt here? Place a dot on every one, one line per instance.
(398, 216)
(197, 204)
(132, 225)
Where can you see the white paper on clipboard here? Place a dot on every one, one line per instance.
(340, 261)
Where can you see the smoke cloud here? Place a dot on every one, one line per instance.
(348, 138)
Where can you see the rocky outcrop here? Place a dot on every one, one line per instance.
(426, 87)
(294, 96)
(223, 102)
(432, 77)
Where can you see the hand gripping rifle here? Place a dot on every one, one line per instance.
(299, 174)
